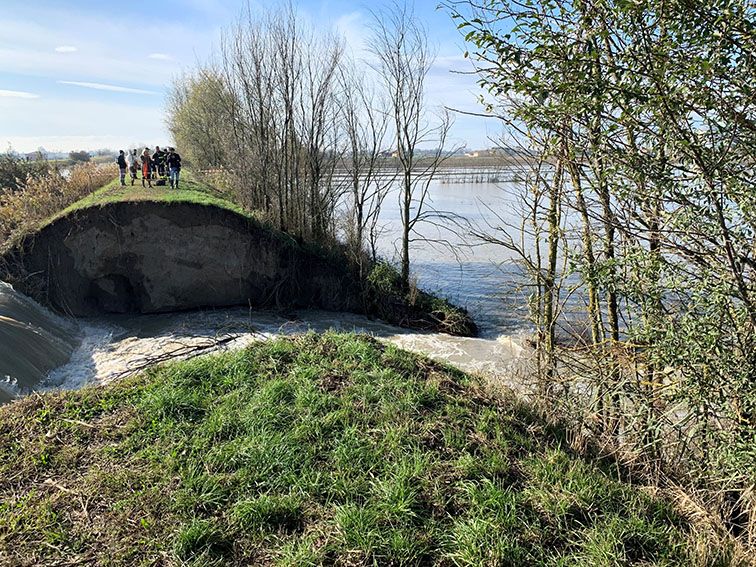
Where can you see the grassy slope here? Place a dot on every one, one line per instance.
(327, 449)
(191, 191)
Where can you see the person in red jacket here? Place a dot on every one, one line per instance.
(146, 162)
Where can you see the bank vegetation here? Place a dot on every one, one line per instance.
(33, 191)
(642, 207)
(318, 450)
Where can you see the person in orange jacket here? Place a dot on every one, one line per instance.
(146, 162)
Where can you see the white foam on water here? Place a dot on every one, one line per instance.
(108, 348)
(112, 351)
(10, 387)
(82, 369)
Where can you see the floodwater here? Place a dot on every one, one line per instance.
(41, 350)
(452, 262)
(33, 341)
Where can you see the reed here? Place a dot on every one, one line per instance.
(40, 197)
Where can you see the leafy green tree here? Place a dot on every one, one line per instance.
(197, 119)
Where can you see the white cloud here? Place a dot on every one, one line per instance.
(353, 28)
(66, 49)
(104, 87)
(63, 124)
(453, 61)
(17, 94)
(106, 58)
(104, 54)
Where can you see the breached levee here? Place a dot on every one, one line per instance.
(128, 267)
(152, 257)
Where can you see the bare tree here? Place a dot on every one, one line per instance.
(366, 123)
(275, 115)
(404, 58)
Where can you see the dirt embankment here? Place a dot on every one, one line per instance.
(148, 257)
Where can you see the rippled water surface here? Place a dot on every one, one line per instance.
(476, 275)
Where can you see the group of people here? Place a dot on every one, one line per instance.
(159, 165)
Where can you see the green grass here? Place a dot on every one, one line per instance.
(329, 449)
(191, 190)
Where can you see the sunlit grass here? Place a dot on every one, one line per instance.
(309, 451)
(191, 190)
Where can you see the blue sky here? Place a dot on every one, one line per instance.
(87, 74)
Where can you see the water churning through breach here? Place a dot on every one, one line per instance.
(33, 341)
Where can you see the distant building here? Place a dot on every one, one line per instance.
(496, 152)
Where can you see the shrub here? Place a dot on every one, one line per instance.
(414, 308)
(82, 156)
(15, 171)
(384, 279)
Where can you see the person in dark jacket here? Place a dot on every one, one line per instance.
(158, 162)
(173, 161)
(121, 161)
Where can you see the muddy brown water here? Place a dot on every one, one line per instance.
(41, 350)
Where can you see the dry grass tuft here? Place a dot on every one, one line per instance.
(41, 197)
